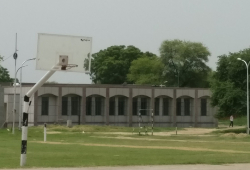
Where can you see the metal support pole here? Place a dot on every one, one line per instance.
(139, 123)
(20, 96)
(247, 101)
(25, 113)
(247, 94)
(45, 132)
(14, 104)
(152, 119)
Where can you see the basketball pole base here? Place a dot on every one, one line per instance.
(25, 113)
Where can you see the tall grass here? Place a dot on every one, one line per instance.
(238, 121)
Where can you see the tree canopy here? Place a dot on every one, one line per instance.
(111, 66)
(4, 73)
(146, 70)
(185, 63)
(229, 83)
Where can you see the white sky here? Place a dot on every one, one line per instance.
(221, 25)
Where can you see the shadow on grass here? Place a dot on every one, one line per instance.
(231, 130)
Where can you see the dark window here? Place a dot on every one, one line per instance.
(98, 106)
(112, 106)
(64, 105)
(165, 106)
(88, 105)
(157, 106)
(45, 105)
(203, 107)
(187, 107)
(178, 107)
(143, 106)
(121, 106)
(75, 106)
(135, 106)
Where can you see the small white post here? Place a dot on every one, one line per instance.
(45, 134)
(152, 123)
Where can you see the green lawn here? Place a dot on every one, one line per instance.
(238, 121)
(72, 148)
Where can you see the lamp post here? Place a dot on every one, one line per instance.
(14, 103)
(20, 96)
(247, 95)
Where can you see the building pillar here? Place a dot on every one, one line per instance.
(138, 105)
(107, 106)
(196, 108)
(93, 106)
(83, 111)
(161, 106)
(130, 107)
(116, 106)
(152, 101)
(35, 108)
(174, 108)
(59, 105)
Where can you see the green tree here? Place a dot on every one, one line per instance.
(111, 66)
(146, 70)
(185, 63)
(228, 84)
(4, 73)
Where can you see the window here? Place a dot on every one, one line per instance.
(45, 105)
(135, 106)
(143, 106)
(187, 107)
(64, 105)
(112, 106)
(178, 107)
(121, 106)
(203, 107)
(88, 105)
(98, 105)
(157, 106)
(165, 106)
(75, 110)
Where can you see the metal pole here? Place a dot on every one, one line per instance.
(14, 104)
(20, 96)
(152, 116)
(26, 115)
(247, 95)
(139, 123)
(45, 132)
(247, 101)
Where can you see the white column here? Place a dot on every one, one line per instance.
(93, 106)
(116, 106)
(161, 106)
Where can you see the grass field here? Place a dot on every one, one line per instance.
(110, 146)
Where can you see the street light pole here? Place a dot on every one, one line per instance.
(20, 96)
(15, 94)
(247, 95)
(14, 104)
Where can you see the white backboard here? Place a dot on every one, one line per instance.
(75, 50)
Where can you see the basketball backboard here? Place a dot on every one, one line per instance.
(69, 53)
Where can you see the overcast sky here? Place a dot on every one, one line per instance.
(221, 25)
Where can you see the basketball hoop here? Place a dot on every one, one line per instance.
(68, 66)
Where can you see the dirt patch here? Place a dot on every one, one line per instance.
(185, 131)
(157, 167)
(240, 135)
(145, 147)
